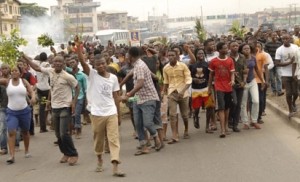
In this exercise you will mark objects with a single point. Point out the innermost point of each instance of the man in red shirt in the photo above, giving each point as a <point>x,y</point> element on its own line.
<point>222,70</point>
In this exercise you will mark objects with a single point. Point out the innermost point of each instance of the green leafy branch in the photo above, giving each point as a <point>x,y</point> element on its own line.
<point>9,45</point>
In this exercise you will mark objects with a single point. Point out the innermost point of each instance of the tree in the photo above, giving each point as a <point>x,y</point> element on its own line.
<point>9,45</point>
<point>237,30</point>
<point>32,9</point>
<point>201,33</point>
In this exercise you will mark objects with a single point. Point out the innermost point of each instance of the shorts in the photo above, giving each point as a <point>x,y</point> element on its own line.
<point>223,100</point>
<point>18,119</point>
<point>199,98</point>
<point>290,85</point>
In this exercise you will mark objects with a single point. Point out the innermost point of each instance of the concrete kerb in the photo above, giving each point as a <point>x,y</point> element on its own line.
<point>293,121</point>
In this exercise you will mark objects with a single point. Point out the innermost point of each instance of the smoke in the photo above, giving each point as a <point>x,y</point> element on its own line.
<point>32,27</point>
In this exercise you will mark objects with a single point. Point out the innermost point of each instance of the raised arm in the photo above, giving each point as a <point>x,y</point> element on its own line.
<point>85,66</point>
<point>31,63</point>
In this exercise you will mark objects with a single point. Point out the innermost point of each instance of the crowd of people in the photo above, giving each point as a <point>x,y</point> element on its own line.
<point>227,77</point>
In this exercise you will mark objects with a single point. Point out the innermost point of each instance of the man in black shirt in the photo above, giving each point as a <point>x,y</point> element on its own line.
<point>275,78</point>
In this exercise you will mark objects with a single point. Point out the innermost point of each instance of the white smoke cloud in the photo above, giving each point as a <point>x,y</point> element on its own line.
<point>32,27</point>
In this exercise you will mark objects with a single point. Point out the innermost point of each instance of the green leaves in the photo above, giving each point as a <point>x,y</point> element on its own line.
<point>201,33</point>
<point>9,45</point>
<point>45,40</point>
<point>237,30</point>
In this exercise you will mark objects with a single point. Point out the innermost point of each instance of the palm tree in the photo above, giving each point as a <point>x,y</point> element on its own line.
<point>237,30</point>
<point>201,33</point>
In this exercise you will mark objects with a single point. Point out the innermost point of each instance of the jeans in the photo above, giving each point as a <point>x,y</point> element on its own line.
<point>261,95</point>
<point>235,110</point>
<point>143,118</point>
<point>78,110</point>
<point>42,107</point>
<point>253,90</point>
<point>275,79</point>
<point>62,119</point>
<point>3,129</point>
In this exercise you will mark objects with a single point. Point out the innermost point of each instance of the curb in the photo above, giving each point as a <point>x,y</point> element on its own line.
<point>294,122</point>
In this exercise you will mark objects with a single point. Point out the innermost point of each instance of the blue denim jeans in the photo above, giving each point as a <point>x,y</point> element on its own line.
<point>62,120</point>
<point>143,118</point>
<point>3,129</point>
<point>78,110</point>
<point>275,79</point>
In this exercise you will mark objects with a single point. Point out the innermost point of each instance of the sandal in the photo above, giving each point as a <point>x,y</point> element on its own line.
<point>10,161</point>
<point>64,159</point>
<point>222,135</point>
<point>99,167</point>
<point>140,152</point>
<point>119,174</point>
<point>186,136</point>
<point>209,131</point>
<point>173,141</point>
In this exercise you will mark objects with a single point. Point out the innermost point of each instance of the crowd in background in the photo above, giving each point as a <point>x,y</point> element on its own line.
<point>226,76</point>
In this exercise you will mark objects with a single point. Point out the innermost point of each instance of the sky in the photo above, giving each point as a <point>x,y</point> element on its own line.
<point>176,8</point>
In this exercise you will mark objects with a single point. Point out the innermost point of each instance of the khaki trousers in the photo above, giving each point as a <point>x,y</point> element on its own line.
<point>110,124</point>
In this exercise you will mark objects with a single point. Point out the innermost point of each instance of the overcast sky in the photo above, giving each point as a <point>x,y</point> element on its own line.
<point>178,8</point>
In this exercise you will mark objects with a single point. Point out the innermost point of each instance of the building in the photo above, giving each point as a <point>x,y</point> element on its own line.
<point>112,20</point>
<point>10,16</point>
<point>78,16</point>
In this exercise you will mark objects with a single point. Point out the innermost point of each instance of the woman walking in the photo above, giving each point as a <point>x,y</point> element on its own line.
<point>18,112</point>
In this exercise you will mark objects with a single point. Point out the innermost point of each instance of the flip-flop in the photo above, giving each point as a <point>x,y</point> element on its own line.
<point>10,161</point>
<point>119,174</point>
<point>222,135</point>
<point>186,136</point>
<point>209,131</point>
<point>172,141</point>
<point>140,153</point>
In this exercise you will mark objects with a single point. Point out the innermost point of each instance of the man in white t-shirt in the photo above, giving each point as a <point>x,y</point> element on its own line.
<point>103,97</point>
<point>286,58</point>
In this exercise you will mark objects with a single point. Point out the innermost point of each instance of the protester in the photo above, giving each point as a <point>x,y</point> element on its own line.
<point>63,105</point>
<point>18,111</point>
<point>105,110</point>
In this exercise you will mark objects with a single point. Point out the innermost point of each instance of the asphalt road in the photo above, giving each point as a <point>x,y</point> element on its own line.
<point>270,154</point>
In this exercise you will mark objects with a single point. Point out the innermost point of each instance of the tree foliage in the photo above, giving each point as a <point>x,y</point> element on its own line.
<point>237,30</point>
<point>32,9</point>
<point>9,45</point>
<point>201,33</point>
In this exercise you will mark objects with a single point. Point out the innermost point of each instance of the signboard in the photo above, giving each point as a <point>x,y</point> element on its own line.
<point>135,37</point>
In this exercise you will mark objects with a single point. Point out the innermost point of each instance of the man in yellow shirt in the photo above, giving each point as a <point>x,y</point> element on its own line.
<point>177,80</point>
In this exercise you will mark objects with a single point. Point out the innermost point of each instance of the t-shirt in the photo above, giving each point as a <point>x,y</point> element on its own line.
<point>122,73</point>
<point>100,94</point>
<point>222,69</point>
<point>61,85</point>
<point>261,60</point>
<point>282,54</point>
<point>42,79</point>
<point>211,56</point>
<point>251,65</point>
<point>200,71</point>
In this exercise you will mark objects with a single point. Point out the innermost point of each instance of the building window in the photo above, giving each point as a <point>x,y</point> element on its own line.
<point>4,27</point>
<point>5,8</point>
<point>11,26</point>
<point>10,9</point>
